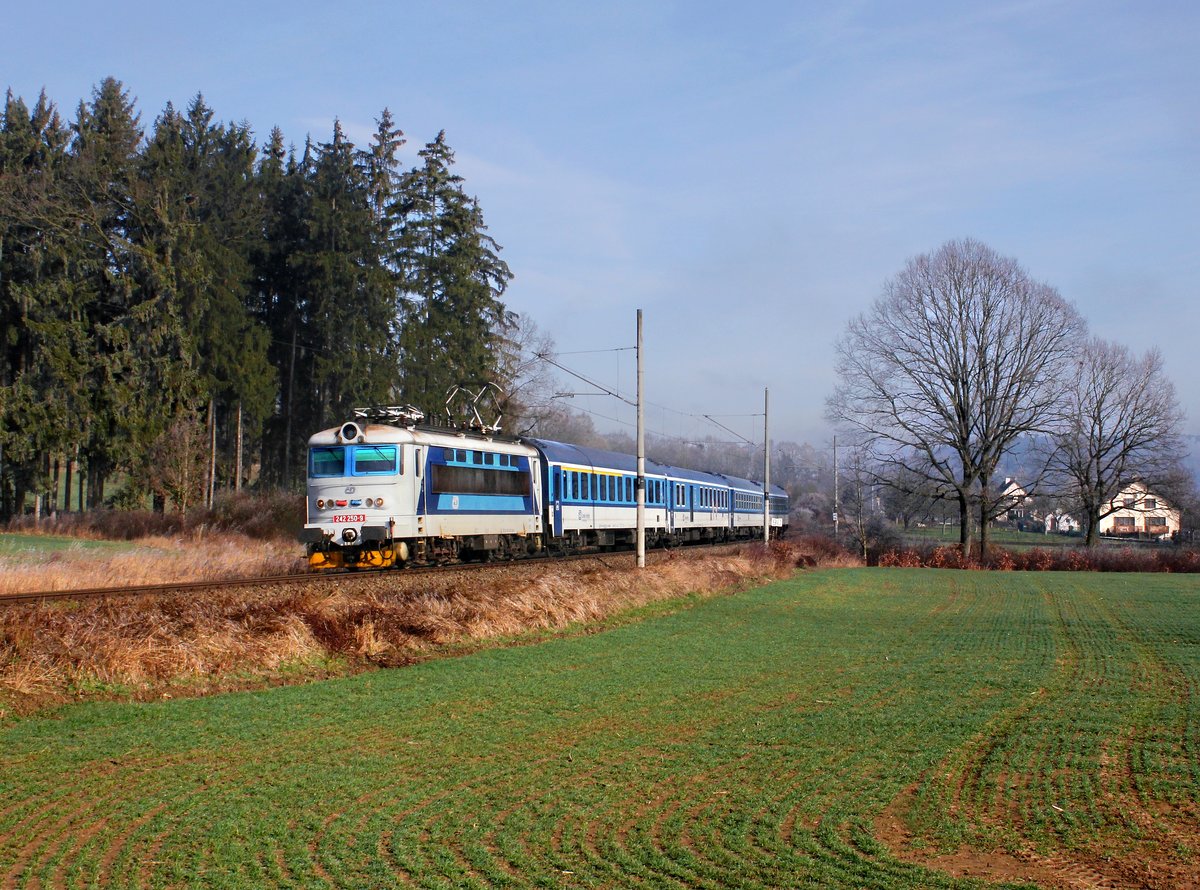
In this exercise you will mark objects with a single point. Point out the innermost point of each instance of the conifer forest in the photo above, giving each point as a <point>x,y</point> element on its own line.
<point>174,290</point>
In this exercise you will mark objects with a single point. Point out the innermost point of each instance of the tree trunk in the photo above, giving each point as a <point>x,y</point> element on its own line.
<point>964,526</point>
<point>287,434</point>
<point>212,453</point>
<point>237,471</point>
<point>1092,518</point>
<point>984,511</point>
<point>983,533</point>
<point>57,479</point>
<point>67,483</point>
<point>95,488</point>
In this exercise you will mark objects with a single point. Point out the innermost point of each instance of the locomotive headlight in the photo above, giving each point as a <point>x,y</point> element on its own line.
<point>378,502</point>
<point>320,504</point>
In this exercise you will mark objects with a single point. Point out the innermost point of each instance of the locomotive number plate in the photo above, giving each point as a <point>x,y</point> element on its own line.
<point>350,517</point>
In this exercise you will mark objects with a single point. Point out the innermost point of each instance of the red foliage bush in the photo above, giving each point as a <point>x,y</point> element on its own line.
<point>1037,559</point>
<point>904,559</point>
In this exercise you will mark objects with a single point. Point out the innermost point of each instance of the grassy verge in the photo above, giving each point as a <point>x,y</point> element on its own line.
<point>58,562</point>
<point>37,547</point>
<point>146,646</point>
<point>1001,537</point>
<point>839,729</point>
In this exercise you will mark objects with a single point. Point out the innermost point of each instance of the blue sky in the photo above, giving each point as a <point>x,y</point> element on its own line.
<point>747,174</point>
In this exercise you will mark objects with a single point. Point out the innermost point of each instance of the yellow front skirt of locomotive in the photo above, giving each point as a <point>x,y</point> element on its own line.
<point>382,558</point>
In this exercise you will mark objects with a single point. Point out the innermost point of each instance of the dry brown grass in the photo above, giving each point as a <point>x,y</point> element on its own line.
<point>147,646</point>
<point>152,560</point>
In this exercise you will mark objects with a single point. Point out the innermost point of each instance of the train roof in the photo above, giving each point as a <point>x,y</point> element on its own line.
<point>563,452</point>
<point>559,452</point>
<point>738,482</point>
<point>421,434</point>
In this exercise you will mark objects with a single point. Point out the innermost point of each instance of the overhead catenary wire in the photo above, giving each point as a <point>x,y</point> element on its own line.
<point>656,433</point>
<point>615,393</point>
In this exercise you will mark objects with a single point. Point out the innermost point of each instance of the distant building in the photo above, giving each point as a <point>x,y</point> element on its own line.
<point>1017,500</point>
<point>1139,511</point>
<point>1062,523</point>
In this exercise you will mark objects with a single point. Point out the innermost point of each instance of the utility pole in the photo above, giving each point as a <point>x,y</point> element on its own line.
<point>640,483</point>
<point>766,466</point>
<point>835,489</point>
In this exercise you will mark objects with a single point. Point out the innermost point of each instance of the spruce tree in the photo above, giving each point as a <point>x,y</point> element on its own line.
<point>38,387</point>
<point>103,182</point>
<point>348,300</point>
<point>279,303</point>
<point>198,234</point>
<point>451,281</point>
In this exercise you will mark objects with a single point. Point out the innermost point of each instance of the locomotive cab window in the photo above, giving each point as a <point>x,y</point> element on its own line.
<point>325,462</point>
<point>375,460</point>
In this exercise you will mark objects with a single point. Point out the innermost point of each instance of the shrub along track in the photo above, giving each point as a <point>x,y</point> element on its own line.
<point>747,741</point>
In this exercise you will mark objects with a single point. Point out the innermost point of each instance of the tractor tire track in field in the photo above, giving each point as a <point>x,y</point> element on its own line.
<point>1058,769</point>
<point>49,824</point>
<point>88,828</point>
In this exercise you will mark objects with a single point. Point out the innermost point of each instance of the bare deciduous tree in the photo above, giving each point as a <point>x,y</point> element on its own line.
<point>906,494</point>
<point>955,362</point>
<point>526,379</point>
<point>1122,422</point>
<point>176,462</point>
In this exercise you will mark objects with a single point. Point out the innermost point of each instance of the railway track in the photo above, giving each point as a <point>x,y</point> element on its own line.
<point>140,589</point>
<point>172,587</point>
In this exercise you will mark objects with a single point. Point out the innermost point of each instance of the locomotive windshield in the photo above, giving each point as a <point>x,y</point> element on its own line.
<point>353,460</point>
<point>326,462</point>
<point>370,460</point>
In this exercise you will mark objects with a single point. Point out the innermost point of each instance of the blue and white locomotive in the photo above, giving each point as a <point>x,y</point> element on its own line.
<point>391,493</point>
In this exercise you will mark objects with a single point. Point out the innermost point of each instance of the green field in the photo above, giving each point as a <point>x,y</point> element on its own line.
<point>745,741</point>
<point>1000,537</point>
<point>14,544</point>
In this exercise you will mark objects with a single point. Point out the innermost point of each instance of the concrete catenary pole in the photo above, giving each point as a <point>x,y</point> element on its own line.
<point>640,482</point>
<point>766,466</point>
<point>835,490</point>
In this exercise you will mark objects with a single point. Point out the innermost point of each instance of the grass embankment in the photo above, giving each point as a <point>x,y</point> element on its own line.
<point>147,646</point>
<point>242,536</point>
<point>841,729</point>
<point>54,562</point>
